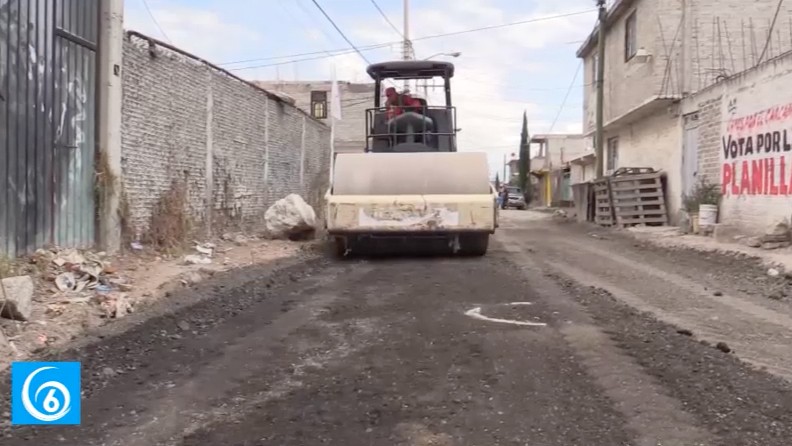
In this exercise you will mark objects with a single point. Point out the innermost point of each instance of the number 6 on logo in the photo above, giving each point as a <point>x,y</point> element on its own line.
<point>45,393</point>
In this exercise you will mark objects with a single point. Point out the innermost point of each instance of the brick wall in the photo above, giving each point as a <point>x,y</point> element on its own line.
<point>237,148</point>
<point>709,118</point>
<point>350,131</point>
<point>755,91</point>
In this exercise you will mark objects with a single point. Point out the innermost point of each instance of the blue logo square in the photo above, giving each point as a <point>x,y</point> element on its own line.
<point>45,393</point>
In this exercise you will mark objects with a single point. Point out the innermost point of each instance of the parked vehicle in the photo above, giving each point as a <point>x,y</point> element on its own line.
<point>516,198</point>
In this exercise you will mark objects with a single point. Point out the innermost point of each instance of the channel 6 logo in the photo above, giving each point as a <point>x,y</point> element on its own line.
<point>45,393</point>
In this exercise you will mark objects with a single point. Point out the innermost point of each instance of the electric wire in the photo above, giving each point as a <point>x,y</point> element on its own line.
<point>770,32</point>
<point>566,96</point>
<point>385,16</point>
<point>156,23</point>
<point>329,19</point>
<point>386,44</point>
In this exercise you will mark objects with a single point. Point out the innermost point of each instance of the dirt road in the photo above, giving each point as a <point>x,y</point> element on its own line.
<point>539,343</point>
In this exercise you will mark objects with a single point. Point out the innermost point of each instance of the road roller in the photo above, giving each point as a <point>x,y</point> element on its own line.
<point>411,188</point>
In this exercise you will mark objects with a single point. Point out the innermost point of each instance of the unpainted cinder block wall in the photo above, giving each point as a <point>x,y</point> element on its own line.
<point>236,148</point>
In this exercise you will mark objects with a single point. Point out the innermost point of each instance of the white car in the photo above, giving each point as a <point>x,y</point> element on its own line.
<point>515,198</point>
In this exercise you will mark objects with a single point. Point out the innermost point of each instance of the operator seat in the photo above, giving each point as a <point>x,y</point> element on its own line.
<point>410,127</point>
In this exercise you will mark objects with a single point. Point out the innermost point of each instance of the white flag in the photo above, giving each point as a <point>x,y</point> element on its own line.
<point>335,98</point>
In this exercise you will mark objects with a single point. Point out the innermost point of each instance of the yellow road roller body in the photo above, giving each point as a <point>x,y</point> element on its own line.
<point>411,192</point>
<point>411,185</point>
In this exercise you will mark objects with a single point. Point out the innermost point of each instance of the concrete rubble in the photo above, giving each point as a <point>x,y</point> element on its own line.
<point>84,278</point>
<point>58,294</point>
<point>776,236</point>
<point>16,298</point>
<point>291,218</point>
<point>204,257</point>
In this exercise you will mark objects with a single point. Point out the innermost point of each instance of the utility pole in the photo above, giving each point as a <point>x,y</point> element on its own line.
<point>407,44</point>
<point>600,144</point>
<point>505,177</point>
<point>109,89</point>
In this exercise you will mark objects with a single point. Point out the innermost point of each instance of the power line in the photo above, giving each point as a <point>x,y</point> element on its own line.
<point>385,16</point>
<point>505,25</point>
<point>385,44</point>
<point>770,32</point>
<point>566,96</point>
<point>274,64</point>
<point>301,23</point>
<point>316,21</point>
<point>337,52</point>
<point>154,19</point>
<point>315,2</point>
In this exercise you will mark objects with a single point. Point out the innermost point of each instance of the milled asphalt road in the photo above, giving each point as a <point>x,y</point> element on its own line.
<point>400,352</point>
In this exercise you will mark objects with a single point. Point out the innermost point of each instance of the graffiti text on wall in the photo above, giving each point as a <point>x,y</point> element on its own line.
<point>757,151</point>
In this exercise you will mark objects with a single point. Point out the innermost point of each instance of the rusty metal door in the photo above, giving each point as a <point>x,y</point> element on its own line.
<point>47,123</point>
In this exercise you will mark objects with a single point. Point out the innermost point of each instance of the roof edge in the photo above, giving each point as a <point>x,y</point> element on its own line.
<point>611,16</point>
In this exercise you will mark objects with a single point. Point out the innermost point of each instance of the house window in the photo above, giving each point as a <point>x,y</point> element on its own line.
<point>613,153</point>
<point>319,104</point>
<point>630,38</point>
<point>594,69</point>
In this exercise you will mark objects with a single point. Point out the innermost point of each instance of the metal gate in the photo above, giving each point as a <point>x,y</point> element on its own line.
<point>690,154</point>
<point>47,123</point>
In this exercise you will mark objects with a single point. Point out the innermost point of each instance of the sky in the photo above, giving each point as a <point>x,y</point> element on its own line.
<point>500,73</point>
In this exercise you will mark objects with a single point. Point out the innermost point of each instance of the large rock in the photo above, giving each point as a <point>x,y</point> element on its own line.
<point>777,231</point>
<point>753,242</point>
<point>290,217</point>
<point>18,303</point>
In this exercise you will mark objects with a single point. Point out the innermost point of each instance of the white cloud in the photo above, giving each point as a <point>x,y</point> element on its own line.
<point>201,32</point>
<point>495,74</point>
<point>488,112</point>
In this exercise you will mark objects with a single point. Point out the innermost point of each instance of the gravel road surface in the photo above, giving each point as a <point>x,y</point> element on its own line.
<point>562,335</point>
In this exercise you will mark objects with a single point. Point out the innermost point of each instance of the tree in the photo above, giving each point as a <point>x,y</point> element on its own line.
<point>525,161</point>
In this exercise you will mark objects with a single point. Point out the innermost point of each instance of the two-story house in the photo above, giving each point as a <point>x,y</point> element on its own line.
<point>551,165</point>
<point>656,53</point>
<point>314,97</point>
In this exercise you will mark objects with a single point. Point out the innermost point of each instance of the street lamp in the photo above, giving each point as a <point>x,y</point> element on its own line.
<point>454,54</point>
<point>426,82</point>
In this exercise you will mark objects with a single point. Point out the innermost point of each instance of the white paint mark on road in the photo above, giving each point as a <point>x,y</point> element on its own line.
<point>514,304</point>
<point>475,313</point>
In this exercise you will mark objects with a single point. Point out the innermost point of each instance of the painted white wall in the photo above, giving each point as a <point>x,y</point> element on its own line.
<point>655,142</point>
<point>763,95</point>
<point>582,174</point>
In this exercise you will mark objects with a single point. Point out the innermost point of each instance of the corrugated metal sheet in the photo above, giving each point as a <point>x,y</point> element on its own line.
<point>47,123</point>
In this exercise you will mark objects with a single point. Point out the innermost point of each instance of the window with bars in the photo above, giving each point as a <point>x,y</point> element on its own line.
<point>319,104</point>
<point>613,153</point>
<point>594,70</point>
<point>630,37</point>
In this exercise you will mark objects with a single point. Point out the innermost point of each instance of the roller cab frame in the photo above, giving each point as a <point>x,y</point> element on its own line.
<point>411,184</point>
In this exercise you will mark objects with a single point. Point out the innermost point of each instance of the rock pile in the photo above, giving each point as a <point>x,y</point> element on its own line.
<point>777,236</point>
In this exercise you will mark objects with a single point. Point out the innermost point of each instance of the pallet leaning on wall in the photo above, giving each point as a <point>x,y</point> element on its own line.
<point>603,211</point>
<point>637,197</point>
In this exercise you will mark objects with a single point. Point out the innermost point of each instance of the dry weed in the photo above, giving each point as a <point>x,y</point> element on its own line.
<point>170,222</point>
